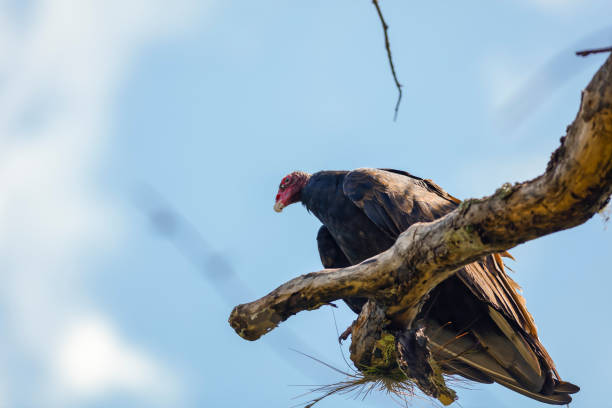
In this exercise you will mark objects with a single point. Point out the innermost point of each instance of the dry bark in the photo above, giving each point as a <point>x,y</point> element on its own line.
<point>577,184</point>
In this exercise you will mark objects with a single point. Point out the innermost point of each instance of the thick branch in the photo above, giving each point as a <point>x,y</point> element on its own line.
<point>577,183</point>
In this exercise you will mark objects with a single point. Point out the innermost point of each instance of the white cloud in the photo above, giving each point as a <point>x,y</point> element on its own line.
<point>91,360</point>
<point>61,62</point>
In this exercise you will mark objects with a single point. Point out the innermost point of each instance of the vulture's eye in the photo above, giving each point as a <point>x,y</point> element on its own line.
<point>287,180</point>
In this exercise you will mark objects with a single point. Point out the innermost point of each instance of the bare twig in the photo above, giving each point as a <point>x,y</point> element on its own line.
<point>388,48</point>
<point>585,53</point>
<point>540,85</point>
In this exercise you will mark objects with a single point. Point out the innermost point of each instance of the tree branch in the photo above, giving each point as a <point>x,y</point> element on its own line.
<point>577,184</point>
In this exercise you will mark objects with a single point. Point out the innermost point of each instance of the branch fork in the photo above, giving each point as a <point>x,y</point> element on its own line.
<point>577,184</point>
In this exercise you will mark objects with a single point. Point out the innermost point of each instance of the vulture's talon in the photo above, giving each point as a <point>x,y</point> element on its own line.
<point>345,334</point>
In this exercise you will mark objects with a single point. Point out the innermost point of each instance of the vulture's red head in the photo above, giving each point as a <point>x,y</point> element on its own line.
<point>290,189</point>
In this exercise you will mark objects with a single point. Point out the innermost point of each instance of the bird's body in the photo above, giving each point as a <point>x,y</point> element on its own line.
<point>476,321</point>
<point>357,236</point>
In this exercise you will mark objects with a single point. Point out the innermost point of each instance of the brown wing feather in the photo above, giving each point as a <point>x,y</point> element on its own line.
<point>430,183</point>
<point>394,200</point>
<point>488,281</point>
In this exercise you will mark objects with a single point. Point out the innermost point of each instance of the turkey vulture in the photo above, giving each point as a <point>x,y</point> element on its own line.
<point>476,321</point>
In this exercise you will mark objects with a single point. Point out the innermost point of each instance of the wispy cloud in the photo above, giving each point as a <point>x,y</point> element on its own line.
<point>501,77</point>
<point>60,63</point>
<point>556,3</point>
<point>557,6</point>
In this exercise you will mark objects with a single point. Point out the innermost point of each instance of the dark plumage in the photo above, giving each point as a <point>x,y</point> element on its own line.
<point>476,321</point>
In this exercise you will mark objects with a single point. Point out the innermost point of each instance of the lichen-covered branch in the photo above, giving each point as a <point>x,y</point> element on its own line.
<point>577,183</point>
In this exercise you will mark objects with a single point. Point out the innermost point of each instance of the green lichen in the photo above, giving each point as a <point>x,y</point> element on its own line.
<point>463,237</point>
<point>504,191</point>
<point>384,374</point>
<point>466,204</point>
<point>463,207</point>
<point>384,360</point>
<point>385,369</point>
<point>383,365</point>
<point>383,353</point>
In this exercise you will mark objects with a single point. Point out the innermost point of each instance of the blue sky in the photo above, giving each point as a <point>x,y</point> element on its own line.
<point>211,103</point>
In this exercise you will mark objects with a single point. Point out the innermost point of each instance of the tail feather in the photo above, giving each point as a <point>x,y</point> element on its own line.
<point>510,350</point>
<point>456,367</point>
<point>517,340</point>
<point>487,355</point>
<point>481,342</point>
<point>555,399</point>
<point>447,347</point>
<point>565,387</point>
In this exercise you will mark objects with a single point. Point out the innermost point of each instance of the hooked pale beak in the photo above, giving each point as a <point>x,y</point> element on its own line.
<point>278,206</point>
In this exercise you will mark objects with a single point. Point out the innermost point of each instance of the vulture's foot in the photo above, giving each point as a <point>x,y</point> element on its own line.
<point>345,334</point>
